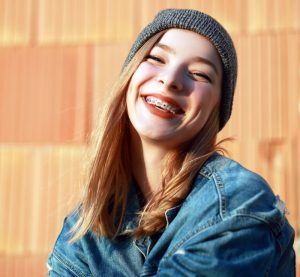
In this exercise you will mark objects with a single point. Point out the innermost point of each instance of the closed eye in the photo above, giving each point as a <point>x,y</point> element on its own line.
<point>200,75</point>
<point>154,58</point>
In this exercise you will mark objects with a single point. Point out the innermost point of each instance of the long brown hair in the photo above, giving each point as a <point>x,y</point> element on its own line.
<point>104,198</point>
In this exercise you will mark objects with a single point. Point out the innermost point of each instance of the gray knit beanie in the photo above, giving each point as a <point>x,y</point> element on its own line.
<point>208,27</point>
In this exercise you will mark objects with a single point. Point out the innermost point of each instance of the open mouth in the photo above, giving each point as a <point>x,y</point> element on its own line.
<point>163,106</point>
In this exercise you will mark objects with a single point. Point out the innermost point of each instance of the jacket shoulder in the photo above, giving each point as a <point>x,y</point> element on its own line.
<point>230,210</point>
<point>238,188</point>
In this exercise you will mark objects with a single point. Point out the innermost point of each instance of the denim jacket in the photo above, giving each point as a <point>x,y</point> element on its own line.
<point>230,224</point>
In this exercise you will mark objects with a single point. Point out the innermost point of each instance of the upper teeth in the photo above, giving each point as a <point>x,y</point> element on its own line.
<point>161,104</point>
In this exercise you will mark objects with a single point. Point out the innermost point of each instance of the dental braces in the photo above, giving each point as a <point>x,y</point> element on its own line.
<point>161,104</point>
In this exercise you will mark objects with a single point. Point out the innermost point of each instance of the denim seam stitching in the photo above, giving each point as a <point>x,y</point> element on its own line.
<point>221,193</point>
<point>207,225</point>
<point>67,264</point>
<point>273,225</point>
<point>205,173</point>
<point>252,215</point>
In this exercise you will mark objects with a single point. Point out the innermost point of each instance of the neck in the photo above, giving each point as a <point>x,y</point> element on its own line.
<point>147,166</point>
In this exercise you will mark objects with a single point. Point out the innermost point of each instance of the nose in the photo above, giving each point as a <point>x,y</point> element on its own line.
<point>171,78</point>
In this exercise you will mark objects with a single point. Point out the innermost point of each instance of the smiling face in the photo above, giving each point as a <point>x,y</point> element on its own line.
<point>174,90</point>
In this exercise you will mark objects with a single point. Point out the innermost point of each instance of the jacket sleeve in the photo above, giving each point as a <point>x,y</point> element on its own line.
<point>236,246</point>
<point>67,259</point>
<point>58,266</point>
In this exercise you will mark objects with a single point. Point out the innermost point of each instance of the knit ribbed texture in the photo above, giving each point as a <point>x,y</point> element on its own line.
<point>208,27</point>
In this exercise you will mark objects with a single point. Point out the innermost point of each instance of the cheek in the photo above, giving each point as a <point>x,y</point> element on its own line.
<point>205,97</point>
<point>142,73</point>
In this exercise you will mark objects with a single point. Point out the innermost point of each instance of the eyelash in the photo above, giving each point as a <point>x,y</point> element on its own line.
<point>197,74</point>
<point>154,58</point>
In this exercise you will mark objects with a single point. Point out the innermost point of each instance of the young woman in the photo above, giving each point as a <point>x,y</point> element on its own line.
<point>159,199</point>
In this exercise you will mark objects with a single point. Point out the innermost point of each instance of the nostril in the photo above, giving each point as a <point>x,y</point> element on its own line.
<point>175,86</point>
<point>171,84</point>
<point>171,80</point>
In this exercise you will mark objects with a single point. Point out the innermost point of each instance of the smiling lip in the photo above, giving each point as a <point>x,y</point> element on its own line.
<point>163,114</point>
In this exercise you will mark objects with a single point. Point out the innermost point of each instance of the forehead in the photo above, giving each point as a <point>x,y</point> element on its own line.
<point>190,44</point>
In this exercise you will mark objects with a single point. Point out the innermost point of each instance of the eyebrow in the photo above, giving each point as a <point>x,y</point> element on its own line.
<point>196,59</point>
<point>165,47</point>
